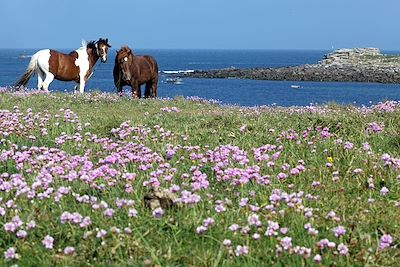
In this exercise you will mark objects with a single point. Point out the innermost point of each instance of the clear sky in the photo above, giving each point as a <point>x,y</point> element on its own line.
<point>204,24</point>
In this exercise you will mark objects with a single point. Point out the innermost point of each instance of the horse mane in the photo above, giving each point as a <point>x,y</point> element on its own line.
<point>91,44</point>
<point>123,52</point>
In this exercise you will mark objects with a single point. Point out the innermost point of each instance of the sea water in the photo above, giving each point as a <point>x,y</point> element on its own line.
<point>13,63</point>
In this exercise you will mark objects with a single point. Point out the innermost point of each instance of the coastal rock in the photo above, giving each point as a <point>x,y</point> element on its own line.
<point>345,56</point>
<point>342,65</point>
<point>160,198</point>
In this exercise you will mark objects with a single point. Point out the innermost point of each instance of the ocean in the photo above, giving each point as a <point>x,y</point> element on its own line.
<point>227,91</point>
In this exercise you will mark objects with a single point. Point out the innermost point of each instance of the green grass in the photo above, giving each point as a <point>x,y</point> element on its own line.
<point>198,130</point>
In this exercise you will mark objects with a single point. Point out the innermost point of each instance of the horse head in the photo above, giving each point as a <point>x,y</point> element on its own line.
<point>123,59</point>
<point>102,48</point>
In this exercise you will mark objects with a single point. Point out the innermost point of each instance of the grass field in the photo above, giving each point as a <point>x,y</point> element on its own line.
<point>101,180</point>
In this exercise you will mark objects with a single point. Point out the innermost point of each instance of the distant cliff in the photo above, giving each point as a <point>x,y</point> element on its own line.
<point>342,65</point>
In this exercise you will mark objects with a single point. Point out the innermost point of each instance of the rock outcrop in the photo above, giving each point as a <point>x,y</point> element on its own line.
<point>342,65</point>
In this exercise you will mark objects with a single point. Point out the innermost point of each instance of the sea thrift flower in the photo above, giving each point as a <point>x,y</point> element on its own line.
<point>384,191</point>
<point>241,250</point>
<point>366,146</point>
<point>234,227</point>
<point>302,251</point>
<point>85,222</point>
<point>254,220</point>
<point>272,229</point>
<point>21,234</point>
<point>316,184</point>
<point>348,145</point>
<point>101,233</point>
<point>294,171</point>
<point>30,225</point>
<point>10,227</point>
<point>11,253</point>
<point>208,222</point>
<point>281,176</point>
<point>342,249</point>
<point>286,243</point>
<point>69,250</point>
<point>188,197</point>
<point>227,242</point>
<point>158,212</point>
<point>325,243</point>
<point>317,259</point>
<point>219,208</point>
<point>48,242</point>
<point>284,230</point>
<point>2,211</point>
<point>108,212</point>
<point>201,229</point>
<point>132,213</point>
<point>245,230</point>
<point>243,202</point>
<point>256,236</point>
<point>331,245</point>
<point>335,176</point>
<point>374,127</point>
<point>312,232</point>
<point>385,241</point>
<point>339,231</point>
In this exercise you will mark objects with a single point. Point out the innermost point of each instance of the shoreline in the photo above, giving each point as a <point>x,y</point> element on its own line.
<point>343,65</point>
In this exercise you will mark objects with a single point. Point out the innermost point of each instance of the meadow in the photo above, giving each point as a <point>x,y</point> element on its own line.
<point>102,180</point>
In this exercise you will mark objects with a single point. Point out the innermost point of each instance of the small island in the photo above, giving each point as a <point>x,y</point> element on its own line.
<point>341,65</point>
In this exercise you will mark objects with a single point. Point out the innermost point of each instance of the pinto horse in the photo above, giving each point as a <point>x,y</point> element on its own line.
<point>134,71</point>
<point>76,66</point>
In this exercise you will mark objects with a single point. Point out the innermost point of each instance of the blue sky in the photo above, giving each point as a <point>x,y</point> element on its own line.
<point>204,24</point>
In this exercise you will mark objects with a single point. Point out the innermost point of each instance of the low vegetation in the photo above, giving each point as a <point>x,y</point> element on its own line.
<point>100,180</point>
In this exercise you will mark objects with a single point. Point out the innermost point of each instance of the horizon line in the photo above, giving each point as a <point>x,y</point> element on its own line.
<point>218,49</point>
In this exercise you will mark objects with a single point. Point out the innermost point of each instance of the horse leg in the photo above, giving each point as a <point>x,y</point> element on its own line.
<point>136,93</point>
<point>76,88</point>
<point>154,87</point>
<point>119,90</point>
<point>81,85</point>
<point>40,77</point>
<point>147,91</point>
<point>49,78</point>
<point>139,90</point>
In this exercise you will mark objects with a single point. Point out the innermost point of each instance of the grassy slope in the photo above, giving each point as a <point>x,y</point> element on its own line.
<point>172,240</point>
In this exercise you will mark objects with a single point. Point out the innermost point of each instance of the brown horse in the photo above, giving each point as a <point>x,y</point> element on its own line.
<point>134,71</point>
<point>76,66</point>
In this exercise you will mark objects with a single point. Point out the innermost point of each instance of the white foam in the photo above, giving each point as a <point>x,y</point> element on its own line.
<point>177,71</point>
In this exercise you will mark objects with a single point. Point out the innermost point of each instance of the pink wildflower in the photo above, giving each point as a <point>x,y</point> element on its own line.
<point>11,253</point>
<point>339,231</point>
<point>385,241</point>
<point>342,249</point>
<point>69,250</point>
<point>48,242</point>
<point>384,191</point>
<point>158,212</point>
<point>241,250</point>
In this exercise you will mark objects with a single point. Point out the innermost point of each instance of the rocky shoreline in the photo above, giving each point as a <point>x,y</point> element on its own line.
<point>343,65</point>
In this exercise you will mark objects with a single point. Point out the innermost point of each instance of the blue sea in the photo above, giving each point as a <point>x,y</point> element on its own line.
<point>228,91</point>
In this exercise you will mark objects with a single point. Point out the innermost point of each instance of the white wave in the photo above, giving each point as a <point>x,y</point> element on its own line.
<point>177,71</point>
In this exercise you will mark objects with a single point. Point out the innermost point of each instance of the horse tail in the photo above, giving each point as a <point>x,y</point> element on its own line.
<point>32,67</point>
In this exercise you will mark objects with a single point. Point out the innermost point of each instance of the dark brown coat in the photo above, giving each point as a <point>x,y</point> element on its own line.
<point>134,71</point>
